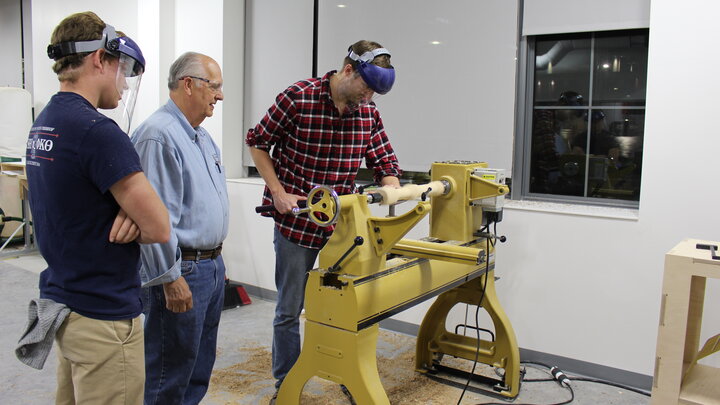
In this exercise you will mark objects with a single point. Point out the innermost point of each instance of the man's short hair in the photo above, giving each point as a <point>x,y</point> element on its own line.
<point>85,26</point>
<point>188,64</point>
<point>362,46</point>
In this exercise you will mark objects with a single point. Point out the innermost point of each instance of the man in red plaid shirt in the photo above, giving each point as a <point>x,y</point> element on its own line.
<point>319,131</point>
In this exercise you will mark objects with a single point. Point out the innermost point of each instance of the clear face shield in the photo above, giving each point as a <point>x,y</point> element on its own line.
<point>131,65</point>
<point>127,84</point>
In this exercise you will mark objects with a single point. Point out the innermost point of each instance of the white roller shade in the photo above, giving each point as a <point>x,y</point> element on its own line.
<point>15,121</point>
<point>564,16</point>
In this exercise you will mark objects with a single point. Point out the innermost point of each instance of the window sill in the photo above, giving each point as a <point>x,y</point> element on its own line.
<point>629,214</point>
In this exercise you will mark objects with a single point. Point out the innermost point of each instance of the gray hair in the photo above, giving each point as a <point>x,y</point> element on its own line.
<point>188,64</point>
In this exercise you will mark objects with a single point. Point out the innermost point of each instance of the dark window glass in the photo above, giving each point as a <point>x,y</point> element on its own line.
<point>588,115</point>
<point>620,68</point>
<point>561,63</point>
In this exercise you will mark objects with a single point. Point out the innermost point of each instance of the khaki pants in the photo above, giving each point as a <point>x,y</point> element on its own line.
<point>100,362</point>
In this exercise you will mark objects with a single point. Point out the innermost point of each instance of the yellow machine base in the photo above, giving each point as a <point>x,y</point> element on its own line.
<point>340,356</point>
<point>434,340</point>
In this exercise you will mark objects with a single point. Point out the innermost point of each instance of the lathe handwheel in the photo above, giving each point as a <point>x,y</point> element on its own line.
<point>323,206</point>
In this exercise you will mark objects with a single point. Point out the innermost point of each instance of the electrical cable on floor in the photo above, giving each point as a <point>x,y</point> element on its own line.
<point>588,379</point>
<point>564,380</point>
<point>557,375</point>
<point>477,313</point>
<point>625,387</point>
<point>555,372</point>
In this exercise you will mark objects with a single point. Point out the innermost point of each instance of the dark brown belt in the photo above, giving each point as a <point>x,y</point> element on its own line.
<point>197,254</point>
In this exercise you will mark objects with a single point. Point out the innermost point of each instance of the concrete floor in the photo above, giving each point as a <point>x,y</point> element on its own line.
<point>242,371</point>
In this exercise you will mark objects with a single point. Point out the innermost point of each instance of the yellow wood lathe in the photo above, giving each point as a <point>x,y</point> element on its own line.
<point>357,285</point>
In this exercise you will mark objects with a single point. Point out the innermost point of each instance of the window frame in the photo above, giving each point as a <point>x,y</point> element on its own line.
<point>523,130</point>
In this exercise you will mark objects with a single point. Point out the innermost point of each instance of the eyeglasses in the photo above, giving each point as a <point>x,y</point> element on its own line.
<point>215,87</point>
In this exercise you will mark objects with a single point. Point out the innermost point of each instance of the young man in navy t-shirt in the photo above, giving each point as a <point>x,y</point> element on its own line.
<point>91,205</point>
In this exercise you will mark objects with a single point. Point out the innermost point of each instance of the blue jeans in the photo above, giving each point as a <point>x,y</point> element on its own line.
<point>180,348</point>
<point>292,262</point>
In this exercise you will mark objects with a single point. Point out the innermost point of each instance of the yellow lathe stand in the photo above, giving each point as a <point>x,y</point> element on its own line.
<point>356,286</point>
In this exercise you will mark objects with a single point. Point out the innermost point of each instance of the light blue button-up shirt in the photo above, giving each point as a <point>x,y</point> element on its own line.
<point>183,165</point>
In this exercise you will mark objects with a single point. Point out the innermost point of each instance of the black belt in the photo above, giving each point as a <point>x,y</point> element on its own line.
<point>197,254</point>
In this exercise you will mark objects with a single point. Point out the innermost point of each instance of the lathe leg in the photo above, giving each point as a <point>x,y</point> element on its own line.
<point>434,340</point>
<point>340,356</point>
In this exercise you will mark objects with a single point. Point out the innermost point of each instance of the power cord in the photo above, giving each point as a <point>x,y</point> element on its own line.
<point>587,379</point>
<point>557,375</point>
<point>477,314</point>
<point>625,387</point>
<point>564,381</point>
<point>484,229</point>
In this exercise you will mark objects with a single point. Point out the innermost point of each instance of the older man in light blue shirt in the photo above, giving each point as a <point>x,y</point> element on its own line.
<point>185,276</point>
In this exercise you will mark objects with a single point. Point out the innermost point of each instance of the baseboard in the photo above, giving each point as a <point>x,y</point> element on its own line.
<point>587,369</point>
<point>259,292</point>
<point>572,366</point>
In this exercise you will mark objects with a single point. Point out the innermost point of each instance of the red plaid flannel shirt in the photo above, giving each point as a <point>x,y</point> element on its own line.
<point>313,145</point>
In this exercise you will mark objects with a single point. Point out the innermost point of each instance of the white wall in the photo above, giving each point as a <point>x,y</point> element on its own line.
<point>199,28</point>
<point>153,24</point>
<point>542,16</point>
<point>278,52</point>
<point>233,65</point>
<point>577,282</point>
<point>248,248</point>
<point>46,14</point>
<point>574,285</point>
<point>589,288</point>
<point>11,44</point>
<point>453,60</point>
<point>683,135</point>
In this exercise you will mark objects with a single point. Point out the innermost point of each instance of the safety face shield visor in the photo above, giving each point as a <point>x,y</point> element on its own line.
<point>377,78</point>
<point>131,65</point>
<point>127,85</point>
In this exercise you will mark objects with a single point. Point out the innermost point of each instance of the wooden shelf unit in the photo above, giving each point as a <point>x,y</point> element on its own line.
<point>678,379</point>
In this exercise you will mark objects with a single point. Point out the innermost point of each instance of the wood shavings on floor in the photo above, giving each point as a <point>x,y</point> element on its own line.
<point>251,382</point>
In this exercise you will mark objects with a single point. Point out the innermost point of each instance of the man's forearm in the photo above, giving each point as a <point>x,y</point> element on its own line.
<point>139,200</point>
<point>264,166</point>
<point>282,200</point>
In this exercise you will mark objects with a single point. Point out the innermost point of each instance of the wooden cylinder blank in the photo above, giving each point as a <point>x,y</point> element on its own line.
<point>391,195</point>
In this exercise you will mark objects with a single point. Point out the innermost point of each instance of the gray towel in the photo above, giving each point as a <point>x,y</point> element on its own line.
<point>44,319</point>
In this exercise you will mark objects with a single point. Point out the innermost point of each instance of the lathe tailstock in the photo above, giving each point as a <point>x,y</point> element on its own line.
<point>357,285</point>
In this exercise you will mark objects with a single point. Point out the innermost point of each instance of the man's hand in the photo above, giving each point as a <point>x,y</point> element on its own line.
<point>138,199</point>
<point>390,181</point>
<point>124,230</point>
<point>178,297</point>
<point>284,202</point>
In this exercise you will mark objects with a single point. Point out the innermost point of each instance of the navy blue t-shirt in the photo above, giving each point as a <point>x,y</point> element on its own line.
<point>74,155</point>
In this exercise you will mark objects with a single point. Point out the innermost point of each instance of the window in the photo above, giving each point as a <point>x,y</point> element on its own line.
<point>584,118</point>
